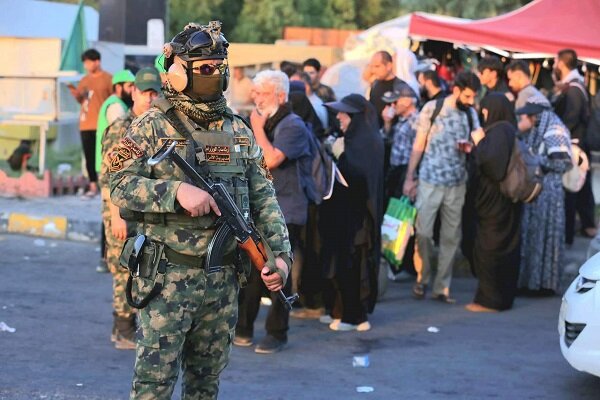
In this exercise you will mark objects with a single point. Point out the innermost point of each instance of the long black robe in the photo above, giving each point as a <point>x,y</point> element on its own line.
<point>496,252</point>
<point>350,221</point>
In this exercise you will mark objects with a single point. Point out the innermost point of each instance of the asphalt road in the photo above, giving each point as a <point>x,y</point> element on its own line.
<point>61,310</point>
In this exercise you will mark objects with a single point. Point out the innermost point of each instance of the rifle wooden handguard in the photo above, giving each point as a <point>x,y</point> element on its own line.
<point>256,253</point>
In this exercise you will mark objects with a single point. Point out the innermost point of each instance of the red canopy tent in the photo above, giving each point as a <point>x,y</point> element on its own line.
<point>542,26</point>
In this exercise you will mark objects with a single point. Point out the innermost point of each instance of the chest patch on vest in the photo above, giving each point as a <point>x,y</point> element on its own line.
<point>218,154</point>
<point>242,140</point>
<point>180,142</point>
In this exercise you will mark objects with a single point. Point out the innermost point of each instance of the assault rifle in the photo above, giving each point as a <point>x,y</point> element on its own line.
<point>231,223</point>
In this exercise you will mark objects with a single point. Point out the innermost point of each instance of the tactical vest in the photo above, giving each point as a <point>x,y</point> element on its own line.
<point>227,157</point>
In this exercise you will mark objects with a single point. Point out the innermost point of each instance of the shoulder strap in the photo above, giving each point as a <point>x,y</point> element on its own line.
<point>244,121</point>
<point>439,103</point>
<point>469,120</point>
<point>578,85</point>
<point>168,109</point>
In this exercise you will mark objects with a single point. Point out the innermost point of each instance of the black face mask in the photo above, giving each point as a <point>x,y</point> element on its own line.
<point>423,93</point>
<point>126,98</point>
<point>462,106</point>
<point>206,87</point>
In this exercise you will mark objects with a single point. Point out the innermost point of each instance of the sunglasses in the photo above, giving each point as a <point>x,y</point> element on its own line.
<point>209,69</point>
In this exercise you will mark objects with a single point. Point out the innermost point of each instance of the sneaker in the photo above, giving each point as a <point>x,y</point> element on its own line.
<point>123,343</point>
<point>242,341</point>
<point>444,299</point>
<point>327,319</point>
<point>363,326</point>
<point>401,276</point>
<point>474,307</point>
<point>270,345</point>
<point>335,324</point>
<point>346,327</point>
<point>266,301</point>
<point>342,326</point>
<point>308,313</point>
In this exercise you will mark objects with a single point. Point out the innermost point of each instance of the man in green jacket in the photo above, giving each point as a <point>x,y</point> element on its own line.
<point>114,107</point>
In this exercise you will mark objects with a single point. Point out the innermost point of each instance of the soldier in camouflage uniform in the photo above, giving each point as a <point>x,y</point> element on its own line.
<point>190,324</point>
<point>147,85</point>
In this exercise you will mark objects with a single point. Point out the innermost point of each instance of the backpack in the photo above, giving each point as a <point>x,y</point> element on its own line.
<point>593,128</point>
<point>523,180</point>
<point>574,178</point>
<point>323,173</point>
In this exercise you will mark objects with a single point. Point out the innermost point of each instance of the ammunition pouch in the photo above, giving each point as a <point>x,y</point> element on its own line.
<point>144,259</point>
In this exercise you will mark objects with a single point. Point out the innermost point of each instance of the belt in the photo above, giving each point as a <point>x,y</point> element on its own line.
<point>180,220</point>
<point>194,261</point>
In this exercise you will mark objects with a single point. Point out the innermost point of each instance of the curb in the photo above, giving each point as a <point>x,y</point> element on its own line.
<point>52,227</point>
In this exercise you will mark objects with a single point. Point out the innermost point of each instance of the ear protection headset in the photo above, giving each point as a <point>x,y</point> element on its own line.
<point>177,74</point>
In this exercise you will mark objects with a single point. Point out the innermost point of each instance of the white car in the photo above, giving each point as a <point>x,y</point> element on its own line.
<point>579,319</point>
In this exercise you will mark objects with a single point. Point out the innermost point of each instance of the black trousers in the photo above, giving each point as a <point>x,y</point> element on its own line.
<point>583,203</point>
<point>88,142</point>
<point>311,275</point>
<point>342,293</point>
<point>277,323</point>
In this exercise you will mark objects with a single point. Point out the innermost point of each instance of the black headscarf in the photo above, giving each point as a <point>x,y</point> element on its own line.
<point>364,153</point>
<point>499,109</point>
<point>493,152</point>
<point>302,106</point>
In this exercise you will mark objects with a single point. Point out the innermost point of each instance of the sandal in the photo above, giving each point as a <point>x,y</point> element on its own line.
<point>418,291</point>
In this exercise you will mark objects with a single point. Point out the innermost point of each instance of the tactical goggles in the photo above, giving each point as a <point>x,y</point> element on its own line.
<point>209,69</point>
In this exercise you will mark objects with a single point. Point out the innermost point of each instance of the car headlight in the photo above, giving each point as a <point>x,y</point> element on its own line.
<point>584,285</point>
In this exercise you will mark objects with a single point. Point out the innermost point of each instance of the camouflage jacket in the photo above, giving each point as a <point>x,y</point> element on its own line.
<point>136,186</point>
<point>110,141</point>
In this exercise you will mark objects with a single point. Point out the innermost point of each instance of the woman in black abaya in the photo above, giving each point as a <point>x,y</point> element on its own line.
<point>350,221</point>
<point>497,242</point>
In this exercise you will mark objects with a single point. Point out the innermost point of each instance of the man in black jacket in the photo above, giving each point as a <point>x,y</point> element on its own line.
<point>491,75</point>
<point>572,106</point>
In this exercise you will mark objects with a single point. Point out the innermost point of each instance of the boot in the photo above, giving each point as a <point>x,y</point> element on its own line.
<point>102,267</point>
<point>113,334</point>
<point>124,332</point>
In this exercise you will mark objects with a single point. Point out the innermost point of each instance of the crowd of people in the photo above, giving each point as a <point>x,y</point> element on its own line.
<point>445,145</point>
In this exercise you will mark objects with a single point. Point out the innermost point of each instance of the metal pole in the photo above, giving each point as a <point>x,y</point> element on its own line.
<point>42,147</point>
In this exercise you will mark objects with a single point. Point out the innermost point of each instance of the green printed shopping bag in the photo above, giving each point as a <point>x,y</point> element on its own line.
<point>397,228</point>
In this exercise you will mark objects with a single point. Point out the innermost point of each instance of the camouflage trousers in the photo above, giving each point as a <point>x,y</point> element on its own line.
<point>188,326</point>
<point>120,275</point>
